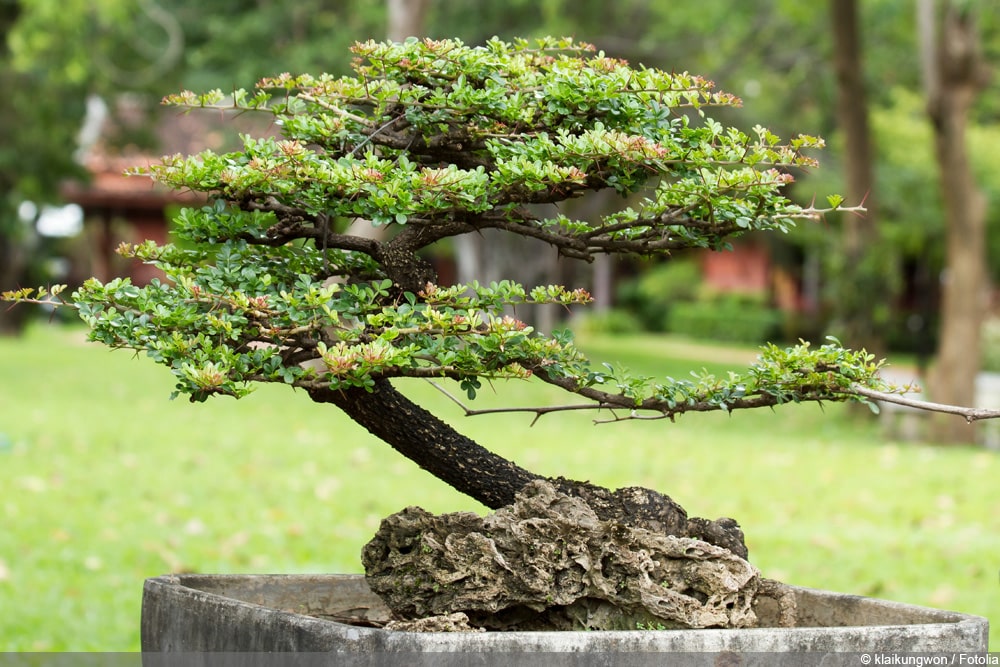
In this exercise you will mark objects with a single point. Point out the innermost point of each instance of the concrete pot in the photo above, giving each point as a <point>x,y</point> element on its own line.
<point>277,613</point>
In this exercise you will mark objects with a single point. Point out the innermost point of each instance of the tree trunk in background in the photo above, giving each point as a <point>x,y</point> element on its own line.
<point>491,256</point>
<point>406,18</point>
<point>861,274</point>
<point>954,74</point>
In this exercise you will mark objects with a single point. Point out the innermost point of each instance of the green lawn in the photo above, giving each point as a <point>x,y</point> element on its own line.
<point>106,482</point>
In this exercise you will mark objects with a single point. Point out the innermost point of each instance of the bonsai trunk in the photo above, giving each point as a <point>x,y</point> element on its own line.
<point>430,443</point>
<point>494,481</point>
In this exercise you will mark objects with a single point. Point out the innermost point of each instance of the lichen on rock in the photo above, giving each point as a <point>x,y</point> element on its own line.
<point>548,562</point>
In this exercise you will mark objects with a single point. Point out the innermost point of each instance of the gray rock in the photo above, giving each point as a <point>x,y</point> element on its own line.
<point>548,562</point>
<point>457,622</point>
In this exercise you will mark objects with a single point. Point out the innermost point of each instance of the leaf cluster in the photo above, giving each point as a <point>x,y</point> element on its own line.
<point>247,318</point>
<point>780,375</point>
<point>435,133</point>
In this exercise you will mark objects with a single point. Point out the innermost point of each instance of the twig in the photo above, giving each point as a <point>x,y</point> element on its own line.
<point>337,110</point>
<point>813,213</point>
<point>970,414</point>
<point>635,415</point>
<point>372,135</point>
<point>537,411</point>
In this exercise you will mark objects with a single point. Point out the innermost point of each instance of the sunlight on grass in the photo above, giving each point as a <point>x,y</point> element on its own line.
<point>107,482</point>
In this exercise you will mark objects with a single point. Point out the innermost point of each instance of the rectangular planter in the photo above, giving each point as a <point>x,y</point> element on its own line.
<point>255,613</point>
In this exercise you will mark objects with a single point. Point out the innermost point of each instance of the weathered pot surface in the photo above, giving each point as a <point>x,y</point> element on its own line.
<point>276,613</point>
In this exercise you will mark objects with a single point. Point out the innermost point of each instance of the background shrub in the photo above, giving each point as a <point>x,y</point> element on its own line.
<point>613,321</point>
<point>731,318</point>
<point>651,295</point>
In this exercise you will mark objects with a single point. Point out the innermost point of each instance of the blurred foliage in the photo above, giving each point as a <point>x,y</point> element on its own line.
<point>39,118</point>
<point>613,321</point>
<point>650,295</point>
<point>733,318</point>
<point>223,38</point>
<point>912,209</point>
<point>991,345</point>
<point>672,297</point>
<point>911,216</point>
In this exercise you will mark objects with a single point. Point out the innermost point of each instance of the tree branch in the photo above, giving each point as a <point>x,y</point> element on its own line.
<point>360,120</point>
<point>290,228</point>
<point>612,402</point>
<point>970,414</point>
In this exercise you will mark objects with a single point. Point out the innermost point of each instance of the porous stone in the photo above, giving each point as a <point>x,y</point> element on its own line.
<point>645,508</point>
<point>548,562</point>
<point>457,622</point>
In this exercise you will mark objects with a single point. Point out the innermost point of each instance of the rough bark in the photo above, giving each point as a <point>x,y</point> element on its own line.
<point>495,481</point>
<point>430,443</point>
<point>955,73</point>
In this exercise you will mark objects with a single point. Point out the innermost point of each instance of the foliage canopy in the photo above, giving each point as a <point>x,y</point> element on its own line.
<point>433,139</point>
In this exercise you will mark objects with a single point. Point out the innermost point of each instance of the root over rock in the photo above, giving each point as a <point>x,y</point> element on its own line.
<point>547,562</point>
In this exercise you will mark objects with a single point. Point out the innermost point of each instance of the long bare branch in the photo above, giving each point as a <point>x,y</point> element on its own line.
<point>660,409</point>
<point>970,414</point>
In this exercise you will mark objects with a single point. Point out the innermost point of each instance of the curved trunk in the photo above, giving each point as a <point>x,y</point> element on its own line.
<point>494,481</point>
<point>430,443</point>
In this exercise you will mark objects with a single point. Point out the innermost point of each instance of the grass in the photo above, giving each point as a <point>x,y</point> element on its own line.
<point>106,482</point>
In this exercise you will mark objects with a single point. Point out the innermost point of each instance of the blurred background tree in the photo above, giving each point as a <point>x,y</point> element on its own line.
<point>954,75</point>
<point>40,112</point>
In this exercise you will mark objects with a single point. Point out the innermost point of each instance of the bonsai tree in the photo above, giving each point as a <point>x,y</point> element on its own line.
<point>429,140</point>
